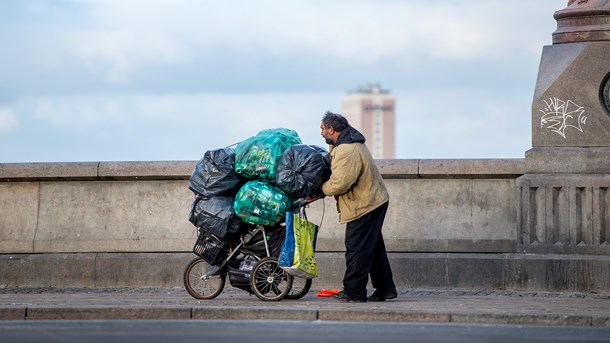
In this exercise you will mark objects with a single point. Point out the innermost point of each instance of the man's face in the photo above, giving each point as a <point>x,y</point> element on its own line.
<point>327,133</point>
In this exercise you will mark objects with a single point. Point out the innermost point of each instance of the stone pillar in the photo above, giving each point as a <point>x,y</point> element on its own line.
<point>564,202</point>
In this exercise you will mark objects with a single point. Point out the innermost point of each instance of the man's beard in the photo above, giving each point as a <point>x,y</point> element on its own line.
<point>329,141</point>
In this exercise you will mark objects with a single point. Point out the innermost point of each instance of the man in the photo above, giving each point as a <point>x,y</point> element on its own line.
<point>362,202</point>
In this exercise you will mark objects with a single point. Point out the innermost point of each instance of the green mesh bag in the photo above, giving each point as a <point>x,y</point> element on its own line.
<point>257,157</point>
<point>262,203</point>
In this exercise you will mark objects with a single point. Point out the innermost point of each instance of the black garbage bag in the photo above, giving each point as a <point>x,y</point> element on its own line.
<point>215,215</point>
<point>215,174</point>
<point>275,238</point>
<point>302,170</point>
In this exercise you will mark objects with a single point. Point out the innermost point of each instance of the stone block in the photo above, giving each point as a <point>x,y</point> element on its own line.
<point>564,213</point>
<point>331,268</point>
<point>521,319</point>
<point>600,322</point>
<point>18,216</point>
<point>48,171</point>
<point>381,315</point>
<point>566,110</point>
<point>580,273</point>
<point>70,270</point>
<point>434,215</point>
<point>398,169</point>
<point>249,313</point>
<point>474,271</point>
<point>48,270</point>
<point>419,270</point>
<point>591,160</point>
<point>471,169</point>
<point>99,312</point>
<point>19,270</point>
<point>17,313</point>
<point>114,216</point>
<point>144,170</point>
<point>140,270</point>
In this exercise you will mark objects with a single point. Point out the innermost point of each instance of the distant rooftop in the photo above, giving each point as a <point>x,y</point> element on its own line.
<point>370,88</point>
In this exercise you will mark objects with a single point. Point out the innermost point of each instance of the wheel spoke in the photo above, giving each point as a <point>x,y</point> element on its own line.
<point>200,287</point>
<point>276,289</point>
<point>269,281</point>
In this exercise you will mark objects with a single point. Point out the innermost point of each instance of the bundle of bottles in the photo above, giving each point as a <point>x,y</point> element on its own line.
<point>255,183</point>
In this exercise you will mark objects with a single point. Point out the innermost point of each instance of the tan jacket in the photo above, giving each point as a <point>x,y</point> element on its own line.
<point>355,181</point>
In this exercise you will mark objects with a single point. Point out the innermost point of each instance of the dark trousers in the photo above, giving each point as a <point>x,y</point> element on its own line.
<point>365,254</point>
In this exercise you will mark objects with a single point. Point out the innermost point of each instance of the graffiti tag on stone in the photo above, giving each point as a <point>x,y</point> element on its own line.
<point>559,115</point>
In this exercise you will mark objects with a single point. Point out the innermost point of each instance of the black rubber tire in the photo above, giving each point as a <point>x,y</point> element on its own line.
<point>300,287</point>
<point>268,281</point>
<point>199,288</point>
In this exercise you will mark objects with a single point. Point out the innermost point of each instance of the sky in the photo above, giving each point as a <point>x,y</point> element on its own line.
<point>167,80</point>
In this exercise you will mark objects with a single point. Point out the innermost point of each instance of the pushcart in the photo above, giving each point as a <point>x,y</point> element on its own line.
<point>250,262</point>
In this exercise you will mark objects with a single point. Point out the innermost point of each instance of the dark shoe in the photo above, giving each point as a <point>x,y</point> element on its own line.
<point>382,296</point>
<point>342,297</point>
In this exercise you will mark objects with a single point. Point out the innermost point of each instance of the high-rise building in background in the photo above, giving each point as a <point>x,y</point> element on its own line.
<point>370,109</point>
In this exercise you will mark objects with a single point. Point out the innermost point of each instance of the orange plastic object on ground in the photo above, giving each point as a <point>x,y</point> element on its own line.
<point>328,292</point>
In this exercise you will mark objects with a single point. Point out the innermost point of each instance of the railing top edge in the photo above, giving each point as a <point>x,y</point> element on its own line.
<point>147,170</point>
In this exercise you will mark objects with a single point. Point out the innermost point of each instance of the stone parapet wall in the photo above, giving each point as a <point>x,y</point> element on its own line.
<point>564,214</point>
<point>102,207</point>
<point>410,270</point>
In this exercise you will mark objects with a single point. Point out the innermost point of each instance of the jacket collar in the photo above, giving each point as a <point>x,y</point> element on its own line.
<point>350,135</point>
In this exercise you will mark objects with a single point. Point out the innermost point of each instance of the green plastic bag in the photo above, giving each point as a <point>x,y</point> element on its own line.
<point>259,202</point>
<point>304,248</point>
<point>257,157</point>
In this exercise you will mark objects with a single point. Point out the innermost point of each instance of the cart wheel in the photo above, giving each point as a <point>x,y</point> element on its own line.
<point>300,287</point>
<point>269,282</point>
<point>198,286</point>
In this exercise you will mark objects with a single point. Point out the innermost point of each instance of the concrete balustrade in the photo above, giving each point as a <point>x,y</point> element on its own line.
<point>100,224</point>
<point>436,206</point>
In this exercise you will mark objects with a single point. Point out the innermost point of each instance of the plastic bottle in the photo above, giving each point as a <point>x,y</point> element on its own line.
<point>247,263</point>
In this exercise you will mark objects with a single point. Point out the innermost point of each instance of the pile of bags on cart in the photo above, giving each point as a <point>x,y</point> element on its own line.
<point>257,183</point>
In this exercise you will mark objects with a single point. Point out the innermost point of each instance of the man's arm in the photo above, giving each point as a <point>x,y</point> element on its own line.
<point>345,169</point>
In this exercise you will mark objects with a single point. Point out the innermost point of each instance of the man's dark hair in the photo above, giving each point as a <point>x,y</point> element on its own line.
<point>335,120</point>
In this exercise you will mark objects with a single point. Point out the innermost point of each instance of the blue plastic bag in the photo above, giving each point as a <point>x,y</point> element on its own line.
<point>287,252</point>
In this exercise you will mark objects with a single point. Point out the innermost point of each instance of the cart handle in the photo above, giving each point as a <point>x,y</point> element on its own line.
<point>304,201</point>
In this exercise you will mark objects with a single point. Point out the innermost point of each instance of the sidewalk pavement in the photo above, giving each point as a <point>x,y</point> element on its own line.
<point>412,305</point>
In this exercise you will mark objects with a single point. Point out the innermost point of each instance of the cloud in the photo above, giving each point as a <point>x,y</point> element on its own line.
<point>116,54</point>
<point>8,120</point>
<point>120,42</point>
<point>363,31</point>
<point>200,120</point>
<point>431,123</point>
<point>462,123</point>
<point>126,79</point>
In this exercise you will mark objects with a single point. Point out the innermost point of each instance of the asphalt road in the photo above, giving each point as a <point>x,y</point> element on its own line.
<point>265,331</point>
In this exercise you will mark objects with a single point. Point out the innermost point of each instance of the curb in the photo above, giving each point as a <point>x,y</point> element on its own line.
<point>271,313</point>
<point>425,305</point>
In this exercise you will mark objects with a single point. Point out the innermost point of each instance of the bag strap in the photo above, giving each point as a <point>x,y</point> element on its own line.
<point>304,213</point>
<point>300,211</point>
